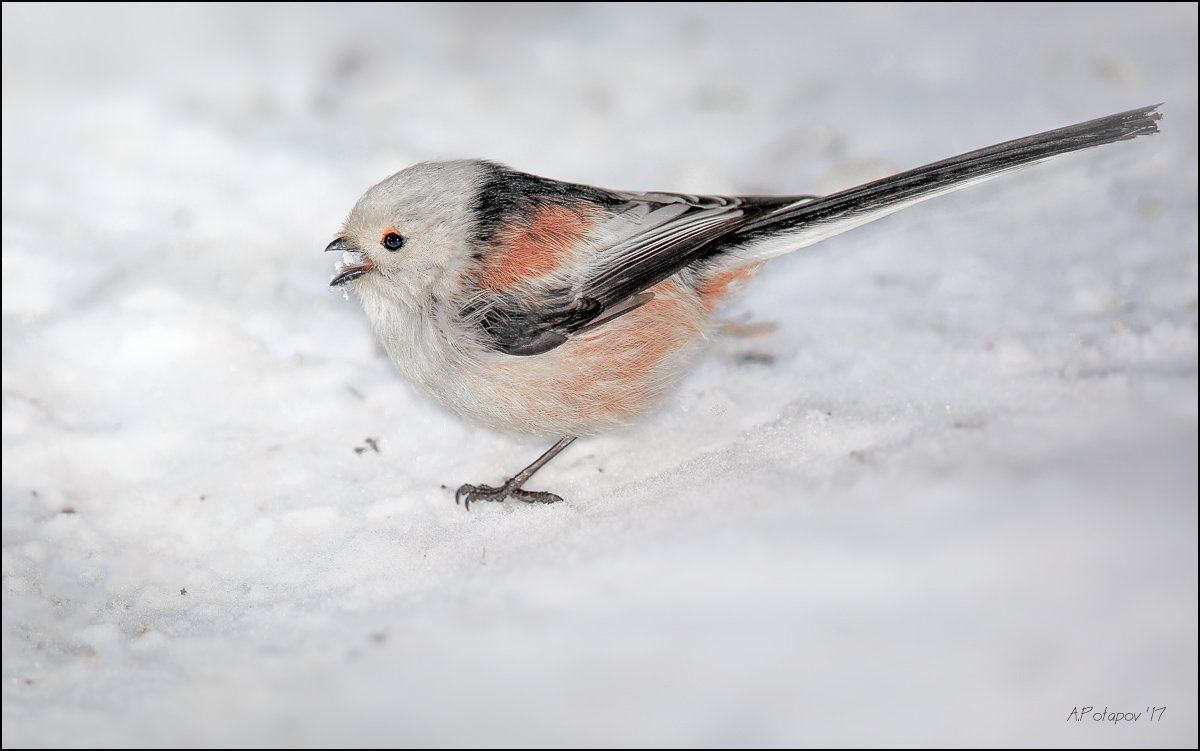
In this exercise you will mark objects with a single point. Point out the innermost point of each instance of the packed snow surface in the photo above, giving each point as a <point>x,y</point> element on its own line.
<point>951,499</point>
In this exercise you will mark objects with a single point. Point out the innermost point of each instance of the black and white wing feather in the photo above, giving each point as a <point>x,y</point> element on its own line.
<point>648,237</point>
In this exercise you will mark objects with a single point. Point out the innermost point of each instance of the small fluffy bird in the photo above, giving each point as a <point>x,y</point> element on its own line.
<point>542,307</point>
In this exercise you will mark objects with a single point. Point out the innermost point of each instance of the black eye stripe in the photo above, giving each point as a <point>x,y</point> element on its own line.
<point>393,241</point>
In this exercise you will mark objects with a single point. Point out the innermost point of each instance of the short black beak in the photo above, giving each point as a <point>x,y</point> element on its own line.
<point>347,272</point>
<point>341,245</point>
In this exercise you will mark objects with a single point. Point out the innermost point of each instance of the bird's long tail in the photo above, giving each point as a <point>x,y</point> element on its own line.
<point>806,222</point>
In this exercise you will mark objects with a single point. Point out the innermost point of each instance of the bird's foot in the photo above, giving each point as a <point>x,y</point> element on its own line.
<point>469,494</point>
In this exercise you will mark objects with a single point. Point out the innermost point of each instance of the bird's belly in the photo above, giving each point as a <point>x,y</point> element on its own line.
<point>599,380</point>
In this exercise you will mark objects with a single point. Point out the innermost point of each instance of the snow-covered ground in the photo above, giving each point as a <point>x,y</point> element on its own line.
<point>950,501</point>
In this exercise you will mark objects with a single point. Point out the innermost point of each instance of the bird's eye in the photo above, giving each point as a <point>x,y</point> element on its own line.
<point>393,242</point>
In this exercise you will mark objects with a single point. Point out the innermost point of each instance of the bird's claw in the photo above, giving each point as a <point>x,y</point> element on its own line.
<point>469,494</point>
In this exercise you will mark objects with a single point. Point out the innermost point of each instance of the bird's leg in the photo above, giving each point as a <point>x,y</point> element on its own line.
<point>469,494</point>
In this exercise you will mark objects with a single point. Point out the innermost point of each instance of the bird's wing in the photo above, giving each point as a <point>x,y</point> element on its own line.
<point>643,239</point>
<point>650,236</point>
<point>657,234</point>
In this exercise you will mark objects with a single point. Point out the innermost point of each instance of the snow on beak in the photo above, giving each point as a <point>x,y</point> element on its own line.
<point>351,265</point>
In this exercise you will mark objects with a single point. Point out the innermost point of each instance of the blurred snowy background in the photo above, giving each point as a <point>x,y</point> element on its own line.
<point>950,500</point>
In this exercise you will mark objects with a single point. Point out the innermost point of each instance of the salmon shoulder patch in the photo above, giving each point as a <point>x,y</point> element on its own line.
<point>534,248</point>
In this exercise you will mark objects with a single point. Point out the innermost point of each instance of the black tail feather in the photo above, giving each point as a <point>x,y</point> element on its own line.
<point>859,205</point>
